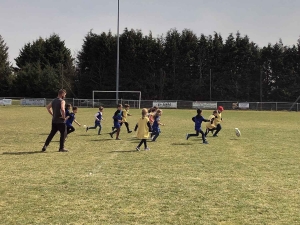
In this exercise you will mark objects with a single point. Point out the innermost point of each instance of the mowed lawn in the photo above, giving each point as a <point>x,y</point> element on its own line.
<point>253,179</point>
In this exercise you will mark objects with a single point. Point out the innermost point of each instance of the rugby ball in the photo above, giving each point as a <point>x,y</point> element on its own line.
<point>237,132</point>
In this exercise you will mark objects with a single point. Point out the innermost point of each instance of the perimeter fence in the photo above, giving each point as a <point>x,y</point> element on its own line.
<point>111,103</point>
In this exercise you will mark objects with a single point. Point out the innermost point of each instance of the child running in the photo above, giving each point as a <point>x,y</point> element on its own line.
<point>98,117</point>
<point>68,108</point>
<point>155,127</point>
<point>117,122</point>
<point>198,119</point>
<point>70,119</point>
<point>218,120</point>
<point>211,126</point>
<point>150,114</point>
<point>126,113</point>
<point>143,129</point>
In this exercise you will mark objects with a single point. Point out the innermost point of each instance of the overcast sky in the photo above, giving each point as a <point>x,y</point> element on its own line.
<point>264,21</point>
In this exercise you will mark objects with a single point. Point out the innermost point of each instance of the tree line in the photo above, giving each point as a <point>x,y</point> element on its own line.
<point>174,66</point>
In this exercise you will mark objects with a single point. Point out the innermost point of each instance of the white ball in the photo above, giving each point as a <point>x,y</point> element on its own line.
<point>237,132</point>
<point>84,125</point>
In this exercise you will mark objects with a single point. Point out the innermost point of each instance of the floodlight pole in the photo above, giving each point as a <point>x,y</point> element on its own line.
<point>118,56</point>
<point>209,84</point>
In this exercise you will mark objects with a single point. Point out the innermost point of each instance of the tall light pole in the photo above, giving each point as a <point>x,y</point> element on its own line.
<point>118,56</point>
<point>209,84</point>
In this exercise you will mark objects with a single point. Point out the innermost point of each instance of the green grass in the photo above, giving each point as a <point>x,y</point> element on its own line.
<point>253,179</point>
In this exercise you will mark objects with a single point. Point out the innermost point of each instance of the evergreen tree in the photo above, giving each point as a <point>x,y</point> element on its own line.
<point>6,77</point>
<point>44,67</point>
<point>96,63</point>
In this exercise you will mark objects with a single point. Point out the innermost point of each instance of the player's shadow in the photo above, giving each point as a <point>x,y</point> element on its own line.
<point>44,134</point>
<point>22,153</point>
<point>107,139</point>
<point>181,143</point>
<point>123,151</point>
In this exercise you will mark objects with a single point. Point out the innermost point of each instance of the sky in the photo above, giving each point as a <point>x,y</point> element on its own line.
<point>263,21</point>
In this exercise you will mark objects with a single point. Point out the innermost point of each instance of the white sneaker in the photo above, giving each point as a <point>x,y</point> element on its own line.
<point>137,148</point>
<point>147,149</point>
<point>187,136</point>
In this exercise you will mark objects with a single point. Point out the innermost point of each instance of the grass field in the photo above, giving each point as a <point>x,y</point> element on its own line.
<point>253,179</point>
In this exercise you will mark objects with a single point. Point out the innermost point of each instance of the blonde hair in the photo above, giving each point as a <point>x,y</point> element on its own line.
<point>144,112</point>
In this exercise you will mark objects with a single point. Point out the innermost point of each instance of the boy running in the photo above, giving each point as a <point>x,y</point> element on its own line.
<point>218,120</point>
<point>125,113</point>
<point>211,126</point>
<point>117,122</point>
<point>70,119</point>
<point>198,119</point>
<point>98,117</point>
<point>155,126</point>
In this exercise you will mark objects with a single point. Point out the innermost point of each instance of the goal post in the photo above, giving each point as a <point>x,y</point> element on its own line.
<point>137,92</point>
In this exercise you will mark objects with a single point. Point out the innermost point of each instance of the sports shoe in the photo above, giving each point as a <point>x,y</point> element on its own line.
<point>215,135</point>
<point>147,149</point>
<point>137,148</point>
<point>111,135</point>
<point>187,136</point>
<point>87,128</point>
<point>205,142</point>
<point>129,131</point>
<point>118,138</point>
<point>63,150</point>
<point>44,148</point>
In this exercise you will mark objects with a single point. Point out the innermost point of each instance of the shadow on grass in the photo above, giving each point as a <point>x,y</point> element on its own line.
<point>21,153</point>
<point>107,139</point>
<point>124,151</point>
<point>44,134</point>
<point>180,143</point>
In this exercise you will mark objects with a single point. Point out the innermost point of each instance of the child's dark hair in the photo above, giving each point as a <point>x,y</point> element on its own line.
<point>68,106</point>
<point>75,108</point>
<point>101,108</point>
<point>126,105</point>
<point>215,111</point>
<point>153,109</point>
<point>119,105</point>
<point>199,111</point>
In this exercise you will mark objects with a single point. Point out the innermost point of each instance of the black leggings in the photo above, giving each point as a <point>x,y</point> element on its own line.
<point>70,129</point>
<point>218,128</point>
<point>127,126</point>
<point>61,127</point>
<point>197,134</point>
<point>143,141</point>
